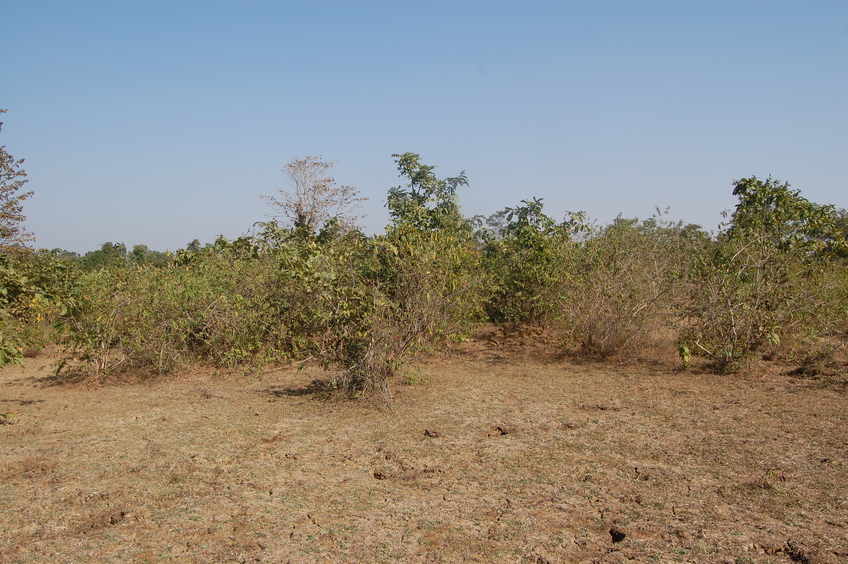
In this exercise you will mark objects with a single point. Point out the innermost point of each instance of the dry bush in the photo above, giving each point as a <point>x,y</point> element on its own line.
<point>152,319</point>
<point>748,296</point>
<point>625,281</point>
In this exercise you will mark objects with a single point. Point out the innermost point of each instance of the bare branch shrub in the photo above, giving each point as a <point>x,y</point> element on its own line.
<point>625,280</point>
<point>313,196</point>
<point>12,178</point>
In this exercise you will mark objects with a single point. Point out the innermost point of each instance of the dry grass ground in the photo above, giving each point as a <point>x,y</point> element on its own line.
<point>495,456</point>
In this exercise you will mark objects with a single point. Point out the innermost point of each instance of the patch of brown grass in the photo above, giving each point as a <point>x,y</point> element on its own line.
<point>501,454</point>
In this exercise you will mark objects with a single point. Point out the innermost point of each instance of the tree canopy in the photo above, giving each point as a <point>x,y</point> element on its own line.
<point>771,209</point>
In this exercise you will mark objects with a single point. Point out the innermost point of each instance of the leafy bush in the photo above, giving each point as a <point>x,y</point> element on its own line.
<point>421,281</point>
<point>421,288</point>
<point>771,278</point>
<point>35,291</point>
<point>747,295</point>
<point>364,306</point>
<point>215,308</point>
<point>526,255</point>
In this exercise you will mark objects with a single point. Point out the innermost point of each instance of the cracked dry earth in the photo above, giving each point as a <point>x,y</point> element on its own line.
<point>493,457</point>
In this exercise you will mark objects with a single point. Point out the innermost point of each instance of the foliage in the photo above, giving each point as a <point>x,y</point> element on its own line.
<point>769,278</point>
<point>314,197</point>
<point>526,256</point>
<point>359,305</point>
<point>10,347</point>
<point>141,317</point>
<point>738,304</point>
<point>322,294</point>
<point>426,203</point>
<point>422,279</point>
<point>784,219</point>
<point>12,180</point>
<point>10,350</point>
<point>365,306</point>
<point>35,291</point>
<point>142,254</point>
<point>109,254</point>
<point>625,280</point>
<point>604,288</point>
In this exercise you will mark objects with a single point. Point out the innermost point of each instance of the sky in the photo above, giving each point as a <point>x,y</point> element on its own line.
<point>159,122</point>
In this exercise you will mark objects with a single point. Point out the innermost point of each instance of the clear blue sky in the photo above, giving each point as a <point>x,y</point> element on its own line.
<point>159,122</point>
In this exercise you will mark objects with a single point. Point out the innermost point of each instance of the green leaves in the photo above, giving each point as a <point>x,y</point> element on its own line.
<point>526,254</point>
<point>10,352</point>
<point>781,217</point>
<point>426,203</point>
<point>763,284</point>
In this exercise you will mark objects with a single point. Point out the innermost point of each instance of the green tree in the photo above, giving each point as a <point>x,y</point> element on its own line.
<point>525,255</point>
<point>769,278</point>
<point>141,254</point>
<point>109,254</point>
<point>771,210</point>
<point>426,203</point>
<point>418,284</point>
<point>12,180</point>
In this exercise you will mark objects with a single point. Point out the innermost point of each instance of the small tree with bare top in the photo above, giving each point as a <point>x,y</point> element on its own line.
<point>313,197</point>
<point>12,179</point>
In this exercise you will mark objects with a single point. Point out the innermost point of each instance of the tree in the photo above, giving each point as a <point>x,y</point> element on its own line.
<point>769,279</point>
<point>427,203</point>
<point>313,197</point>
<point>782,217</point>
<point>524,255</point>
<point>108,254</point>
<point>12,179</point>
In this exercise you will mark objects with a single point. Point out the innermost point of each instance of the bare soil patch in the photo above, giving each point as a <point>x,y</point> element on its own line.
<point>498,454</point>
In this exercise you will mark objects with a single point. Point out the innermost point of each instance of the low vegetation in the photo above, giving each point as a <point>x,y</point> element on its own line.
<point>772,282</point>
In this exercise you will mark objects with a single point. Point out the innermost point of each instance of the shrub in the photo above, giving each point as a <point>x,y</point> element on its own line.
<point>625,280</point>
<point>417,285</point>
<point>748,294</point>
<point>773,276</point>
<point>146,318</point>
<point>35,291</point>
<point>411,288</point>
<point>526,256</point>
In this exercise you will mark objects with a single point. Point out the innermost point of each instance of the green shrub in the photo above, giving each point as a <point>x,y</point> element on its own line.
<point>417,285</point>
<point>526,256</point>
<point>216,308</point>
<point>774,277</point>
<point>35,292</point>
<point>749,295</point>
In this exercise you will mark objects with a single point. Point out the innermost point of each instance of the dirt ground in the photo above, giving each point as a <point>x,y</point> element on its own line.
<point>494,455</point>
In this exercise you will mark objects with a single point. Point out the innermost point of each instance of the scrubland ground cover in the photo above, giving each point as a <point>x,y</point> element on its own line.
<point>501,452</point>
